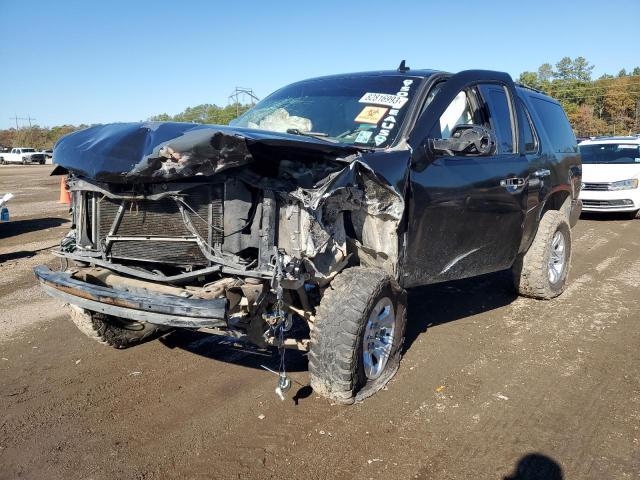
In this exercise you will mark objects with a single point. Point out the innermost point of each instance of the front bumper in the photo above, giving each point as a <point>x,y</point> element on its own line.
<point>614,201</point>
<point>142,306</point>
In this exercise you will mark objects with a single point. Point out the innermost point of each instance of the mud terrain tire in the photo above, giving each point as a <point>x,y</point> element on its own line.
<point>531,271</point>
<point>116,332</point>
<point>336,359</point>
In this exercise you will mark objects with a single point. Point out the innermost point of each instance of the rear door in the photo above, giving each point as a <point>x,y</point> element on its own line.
<point>466,212</point>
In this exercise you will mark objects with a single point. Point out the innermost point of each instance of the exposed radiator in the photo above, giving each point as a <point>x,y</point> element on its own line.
<point>173,242</point>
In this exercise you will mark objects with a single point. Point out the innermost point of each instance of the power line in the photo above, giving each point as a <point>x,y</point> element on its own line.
<point>28,118</point>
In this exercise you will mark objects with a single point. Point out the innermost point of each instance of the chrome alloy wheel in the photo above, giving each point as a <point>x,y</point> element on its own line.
<point>378,338</point>
<point>557,257</point>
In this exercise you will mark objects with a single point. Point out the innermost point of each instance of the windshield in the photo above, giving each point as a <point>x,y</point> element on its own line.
<point>611,153</point>
<point>363,111</point>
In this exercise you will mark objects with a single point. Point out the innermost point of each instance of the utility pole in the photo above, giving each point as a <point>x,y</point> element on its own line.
<point>28,118</point>
<point>242,92</point>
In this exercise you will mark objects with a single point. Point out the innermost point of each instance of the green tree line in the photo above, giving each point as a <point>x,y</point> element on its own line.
<point>609,105</point>
<point>43,138</point>
<point>205,113</point>
<point>36,137</point>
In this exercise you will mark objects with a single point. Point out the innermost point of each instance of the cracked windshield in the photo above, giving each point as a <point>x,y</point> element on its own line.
<point>365,111</point>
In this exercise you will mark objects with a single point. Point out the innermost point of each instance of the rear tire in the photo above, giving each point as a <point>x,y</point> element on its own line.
<point>113,331</point>
<point>357,336</point>
<point>542,272</point>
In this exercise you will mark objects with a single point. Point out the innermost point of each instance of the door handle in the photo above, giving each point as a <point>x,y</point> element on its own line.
<point>512,182</point>
<point>543,172</point>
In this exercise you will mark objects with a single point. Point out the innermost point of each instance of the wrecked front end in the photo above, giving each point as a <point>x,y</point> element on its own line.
<point>231,230</point>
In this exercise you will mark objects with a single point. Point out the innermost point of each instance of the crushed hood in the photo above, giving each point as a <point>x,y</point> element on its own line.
<point>164,151</point>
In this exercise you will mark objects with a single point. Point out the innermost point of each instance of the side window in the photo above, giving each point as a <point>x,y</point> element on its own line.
<point>530,139</point>
<point>459,112</point>
<point>495,96</point>
<point>556,124</point>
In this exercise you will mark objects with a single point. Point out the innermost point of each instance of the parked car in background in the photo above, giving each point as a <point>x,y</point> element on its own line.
<point>22,155</point>
<point>48,156</point>
<point>610,175</point>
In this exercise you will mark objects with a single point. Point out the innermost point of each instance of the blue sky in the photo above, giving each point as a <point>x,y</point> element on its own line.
<point>92,62</point>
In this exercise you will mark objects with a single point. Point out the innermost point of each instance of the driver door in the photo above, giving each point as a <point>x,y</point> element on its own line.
<point>466,211</point>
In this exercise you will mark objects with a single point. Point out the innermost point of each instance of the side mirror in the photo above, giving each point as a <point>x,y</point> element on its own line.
<point>467,140</point>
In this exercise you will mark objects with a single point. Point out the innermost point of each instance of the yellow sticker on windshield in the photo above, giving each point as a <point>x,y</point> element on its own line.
<point>371,115</point>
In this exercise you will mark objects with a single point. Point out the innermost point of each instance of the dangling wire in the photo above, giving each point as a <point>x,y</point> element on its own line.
<point>282,350</point>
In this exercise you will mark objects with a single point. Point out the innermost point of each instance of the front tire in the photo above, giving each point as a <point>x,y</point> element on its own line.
<point>357,336</point>
<point>113,331</point>
<point>542,272</point>
<point>632,215</point>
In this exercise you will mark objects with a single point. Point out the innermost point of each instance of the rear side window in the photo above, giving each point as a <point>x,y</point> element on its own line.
<point>530,141</point>
<point>500,115</point>
<point>556,124</point>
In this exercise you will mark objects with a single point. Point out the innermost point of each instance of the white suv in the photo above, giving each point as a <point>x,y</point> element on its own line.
<point>610,175</point>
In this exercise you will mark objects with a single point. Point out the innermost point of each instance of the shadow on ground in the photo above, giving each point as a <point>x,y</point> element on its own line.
<point>428,307</point>
<point>536,466</point>
<point>606,216</point>
<point>6,257</point>
<point>441,303</point>
<point>18,227</point>
<point>228,349</point>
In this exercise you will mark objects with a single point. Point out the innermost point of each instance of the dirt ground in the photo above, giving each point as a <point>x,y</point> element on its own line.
<point>492,386</point>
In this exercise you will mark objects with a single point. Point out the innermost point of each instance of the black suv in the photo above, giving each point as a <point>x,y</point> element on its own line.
<point>302,224</point>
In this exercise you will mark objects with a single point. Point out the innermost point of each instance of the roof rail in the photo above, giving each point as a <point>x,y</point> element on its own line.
<point>529,87</point>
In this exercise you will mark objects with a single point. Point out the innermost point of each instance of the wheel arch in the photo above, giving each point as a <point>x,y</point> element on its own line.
<point>558,199</point>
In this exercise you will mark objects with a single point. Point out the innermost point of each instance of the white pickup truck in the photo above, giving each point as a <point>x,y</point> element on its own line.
<point>22,155</point>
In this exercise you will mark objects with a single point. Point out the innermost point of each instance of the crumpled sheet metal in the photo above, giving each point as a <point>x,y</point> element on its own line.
<point>356,186</point>
<point>166,151</point>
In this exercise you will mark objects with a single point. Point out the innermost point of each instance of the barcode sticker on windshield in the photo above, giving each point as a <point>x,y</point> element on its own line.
<point>390,100</point>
